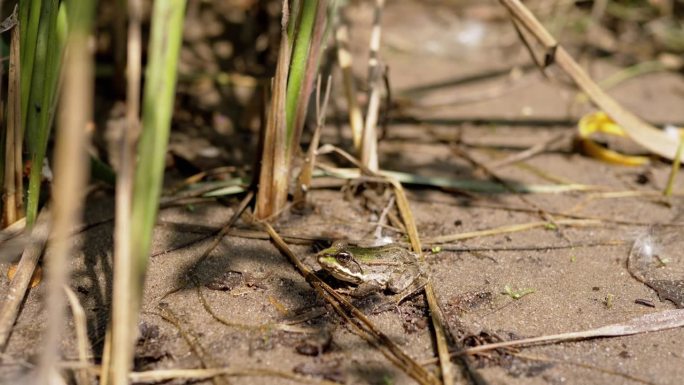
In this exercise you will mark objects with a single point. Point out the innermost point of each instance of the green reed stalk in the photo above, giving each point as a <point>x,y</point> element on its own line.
<point>298,64</point>
<point>158,101</point>
<point>49,46</point>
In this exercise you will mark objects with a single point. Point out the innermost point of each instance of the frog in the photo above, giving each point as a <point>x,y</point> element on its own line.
<point>389,268</point>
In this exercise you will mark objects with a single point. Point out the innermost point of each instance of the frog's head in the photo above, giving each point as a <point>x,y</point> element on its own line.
<point>339,261</point>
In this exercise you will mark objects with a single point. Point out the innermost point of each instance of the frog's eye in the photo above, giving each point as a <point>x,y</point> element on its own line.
<point>343,257</point>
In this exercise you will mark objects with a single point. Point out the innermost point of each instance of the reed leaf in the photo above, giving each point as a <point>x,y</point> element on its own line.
<point>49,46</point>
<point>298,67</point>
<point>158,101</point>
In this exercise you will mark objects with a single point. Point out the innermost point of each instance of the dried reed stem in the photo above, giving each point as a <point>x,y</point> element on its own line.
<point>120,346</point>
<point>71,173</point>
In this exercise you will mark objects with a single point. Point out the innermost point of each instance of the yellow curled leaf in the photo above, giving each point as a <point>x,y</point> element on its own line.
<point>600,122</point>
<point>36,278</point>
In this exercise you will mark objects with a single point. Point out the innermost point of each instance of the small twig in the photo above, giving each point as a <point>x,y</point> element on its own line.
<point>306,175</point>
<point>652,322</point>
<point>192,340</point>
<point>13,240</point>
<point>156,376</point>
<point>219,234</point>
<point>530,152</point>
<point>538,63</point>
<point>512,84</point>
<point>222,170</point>
<point>262,328</point>
<point>83,377</point>
<point>383,218</point>
<point>10,22</point>
<point>226,228</point>
<point>20,284</point>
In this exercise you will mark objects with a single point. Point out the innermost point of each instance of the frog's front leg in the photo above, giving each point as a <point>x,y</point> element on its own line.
<point>405,278</point>
<point>366,288</point>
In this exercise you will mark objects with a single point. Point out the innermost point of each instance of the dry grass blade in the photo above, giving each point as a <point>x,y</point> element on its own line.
<point>22,278</point>
<point>355,317</point>
<point>534,247</point>
<point>122,336</point>
<point>305,176</point>
<point>642,133</point>
<point>165,39</point>
<point>344,59</point>
<point>483,186</point>
<point>616,221</point>
<point>631,194</point>
<point>273,176</point>
<point>512,229</point>
<point>155,376</point>
<point>192,339</point>
<point>369,140</point>
<point>669,186</point>
<point>71,173</point>
<point>435,311</point>
<point>13,178</point>
<point>219,234</point>
<point>530,152</point>
<point>13,239</point>
<point>257,328</point>
<point>664,320</point>
<point>14,230</point>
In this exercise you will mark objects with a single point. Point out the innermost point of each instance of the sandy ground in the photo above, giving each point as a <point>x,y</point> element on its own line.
<point>579,279</point>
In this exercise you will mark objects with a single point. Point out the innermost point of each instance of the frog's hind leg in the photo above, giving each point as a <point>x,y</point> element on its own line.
<point>414,288</point>
<point>392,302</point>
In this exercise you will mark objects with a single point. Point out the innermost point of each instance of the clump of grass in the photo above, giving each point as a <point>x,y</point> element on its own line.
<point>303,34</point>
<point>42,46</point>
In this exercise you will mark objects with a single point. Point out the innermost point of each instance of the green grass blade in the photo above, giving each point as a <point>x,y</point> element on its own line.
<point>158,101</point>
<point>29,19</point>
<point>157,109</point>
<point>316,45</point>
<point>295,9</point>
<point>298,64</point>
<point>40,105</point>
